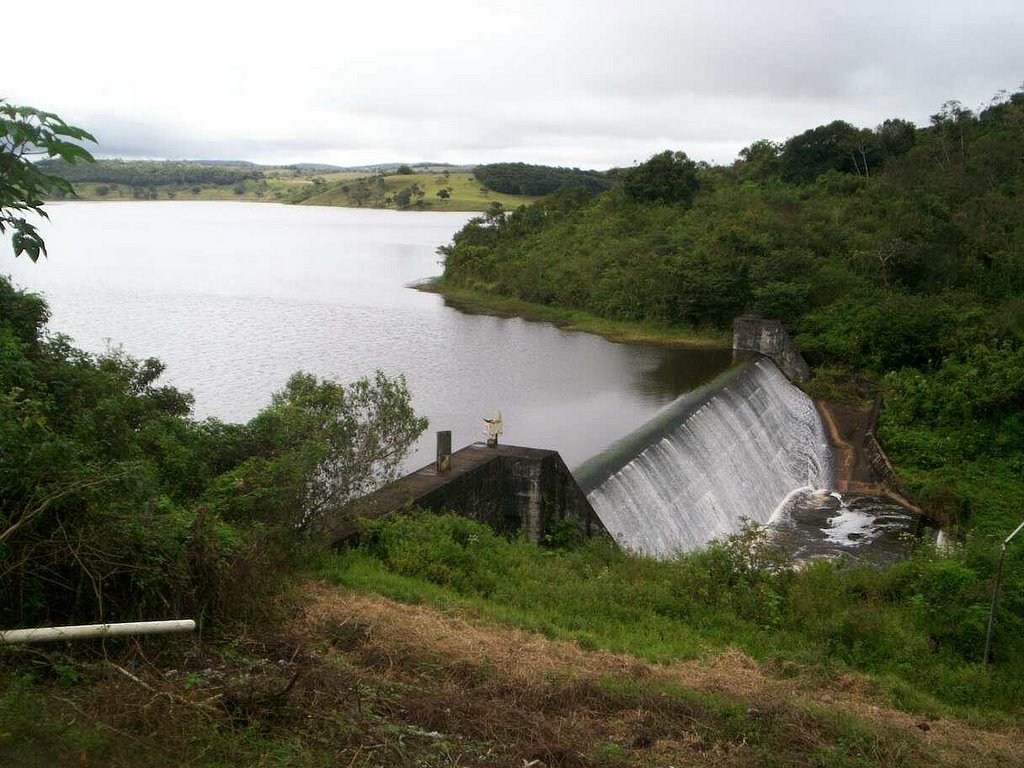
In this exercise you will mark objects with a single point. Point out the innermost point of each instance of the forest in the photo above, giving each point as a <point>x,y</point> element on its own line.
<point>523,179</point>
<point>147,173</point>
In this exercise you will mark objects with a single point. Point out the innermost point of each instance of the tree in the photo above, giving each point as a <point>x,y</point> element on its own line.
<point>403,197</point>
<point>952,126</point>
<point>495,213</point>
<point>760,161</point>
<point>523,179</point>
<point>444,193</point>
<point>26,132</point>
<point>837,146</point>
<point>322,445</point>
<point>668,177</point>
<point>896,136</point>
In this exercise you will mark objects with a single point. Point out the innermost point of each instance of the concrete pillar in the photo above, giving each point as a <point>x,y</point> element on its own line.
<point>444,450</point>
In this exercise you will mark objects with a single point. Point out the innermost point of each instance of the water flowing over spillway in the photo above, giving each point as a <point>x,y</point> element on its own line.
<point>727,453</point>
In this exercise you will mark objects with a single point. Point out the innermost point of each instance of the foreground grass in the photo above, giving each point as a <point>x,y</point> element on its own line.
<point>480,302</point>
<point>917,628</point>
<point>358,680</point>
<point>438,643</point>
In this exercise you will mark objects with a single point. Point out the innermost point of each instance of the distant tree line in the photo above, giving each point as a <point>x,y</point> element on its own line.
<point>523,179</point>
<point>150,173</point>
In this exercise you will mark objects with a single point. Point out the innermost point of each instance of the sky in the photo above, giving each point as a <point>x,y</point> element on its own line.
<point>590,83</point>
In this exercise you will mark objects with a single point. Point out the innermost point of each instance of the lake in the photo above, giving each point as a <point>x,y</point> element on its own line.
<point>234,297</point>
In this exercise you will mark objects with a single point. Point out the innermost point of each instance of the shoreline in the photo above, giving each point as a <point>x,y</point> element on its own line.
<point>428,208</point>
<point>617,331</point>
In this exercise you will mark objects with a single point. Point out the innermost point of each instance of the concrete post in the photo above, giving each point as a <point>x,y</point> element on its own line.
<point>444,450</point>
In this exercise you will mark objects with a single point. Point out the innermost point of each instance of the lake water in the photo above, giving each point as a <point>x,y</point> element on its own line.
<point>234,297</point>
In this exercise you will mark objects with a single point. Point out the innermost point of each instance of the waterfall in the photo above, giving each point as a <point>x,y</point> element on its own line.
<point>737,449</point>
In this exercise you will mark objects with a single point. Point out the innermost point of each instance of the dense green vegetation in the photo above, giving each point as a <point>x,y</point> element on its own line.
<point>116,505</point>
<point>903,262</point>
<point>149,173</point>
<point>917,627</point>
<point>26,134</point>
<point>536,180</point>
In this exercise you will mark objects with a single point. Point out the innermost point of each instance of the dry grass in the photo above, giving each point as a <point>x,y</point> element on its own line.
<point>358,680</point>
<point>584,683</point>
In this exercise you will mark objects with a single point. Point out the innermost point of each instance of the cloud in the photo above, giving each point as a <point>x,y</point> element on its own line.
<point>595,83</point>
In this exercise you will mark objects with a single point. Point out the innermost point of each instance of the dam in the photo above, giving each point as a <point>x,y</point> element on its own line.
<point>736,449</point>
<point>748,445</point>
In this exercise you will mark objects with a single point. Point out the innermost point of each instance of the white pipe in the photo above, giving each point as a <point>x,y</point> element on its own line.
<point>1018,530</point>
<point>93,631</point>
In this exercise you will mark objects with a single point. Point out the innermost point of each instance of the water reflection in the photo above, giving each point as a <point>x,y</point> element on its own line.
<point>234,297</point>
<point>682,372</point>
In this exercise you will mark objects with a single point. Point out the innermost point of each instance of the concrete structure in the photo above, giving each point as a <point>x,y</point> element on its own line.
<point>860,462</point>
<point>514,490</point>
<point>769,338</point>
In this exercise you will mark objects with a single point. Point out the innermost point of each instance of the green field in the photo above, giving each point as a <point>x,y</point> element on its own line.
<point>466,192</point>
<point>353,189</point>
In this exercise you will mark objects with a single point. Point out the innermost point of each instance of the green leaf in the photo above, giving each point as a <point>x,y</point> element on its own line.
<point>26,132</point>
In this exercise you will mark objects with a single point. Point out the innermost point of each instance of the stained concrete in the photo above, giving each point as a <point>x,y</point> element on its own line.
<point>861,465</point>
<point>769,338</point>
<point>512,489</point>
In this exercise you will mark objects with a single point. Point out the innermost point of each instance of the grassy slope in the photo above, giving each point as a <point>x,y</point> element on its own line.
<point>358,680</point>
<point>466,193</point>
<point>283,185</point>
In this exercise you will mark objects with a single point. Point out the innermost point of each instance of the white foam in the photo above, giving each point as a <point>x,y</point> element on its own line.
<point>850,528</point>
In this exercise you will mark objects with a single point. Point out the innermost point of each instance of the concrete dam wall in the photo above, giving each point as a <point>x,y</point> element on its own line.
<point>735,449</point>
<point>769,338</point>
<point>514,490</point>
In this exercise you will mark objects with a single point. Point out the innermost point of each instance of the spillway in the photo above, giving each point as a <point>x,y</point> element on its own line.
<point>737,449</point>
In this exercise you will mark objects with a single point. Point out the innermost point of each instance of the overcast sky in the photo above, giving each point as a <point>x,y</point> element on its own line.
<point>591,83</point>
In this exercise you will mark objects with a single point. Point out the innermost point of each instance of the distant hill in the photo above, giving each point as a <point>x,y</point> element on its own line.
<point>420,186</point>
